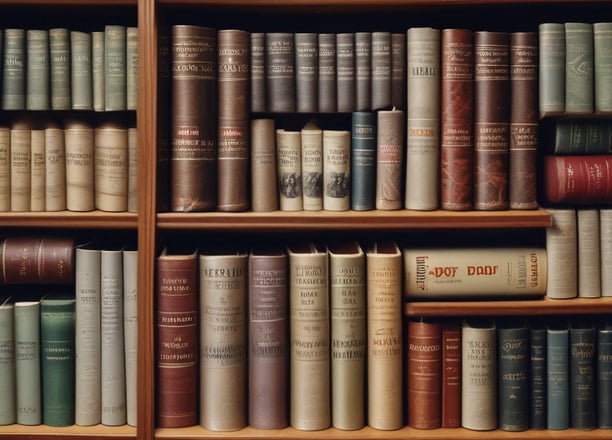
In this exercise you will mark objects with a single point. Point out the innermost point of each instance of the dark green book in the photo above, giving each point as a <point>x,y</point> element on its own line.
<point>14,70</point>
<point>537,376</point>
<point>363,161</point>
<point>582,136</point>
<point>557,371</point>
<point>57,319</point>
<point>583,404</point>
<point>604,375</point>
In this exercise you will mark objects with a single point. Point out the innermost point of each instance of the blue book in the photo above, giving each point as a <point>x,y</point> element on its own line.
<point>557,371</point>
<point>363,161</point>
<point>537,385</point>
<point>582,342</point>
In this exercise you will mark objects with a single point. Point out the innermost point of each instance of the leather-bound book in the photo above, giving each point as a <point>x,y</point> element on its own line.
<point>363,71</point>
<point>363,161</point>
<point>604,379</point>
<point>328,101</point>
<point>578,179</point>
<point>389,159</point>
<point>306,72</point>
<point>557,375</point>
<point>280,72</point>
<point>381,70</point>
<point>398,70</point>
<point>583,375</point>
<point>451,373</point>
<point>258,72</point>
<point>345,65</point>
<point>537,374</point>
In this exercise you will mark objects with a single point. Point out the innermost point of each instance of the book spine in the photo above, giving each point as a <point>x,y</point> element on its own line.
<point>336,170</point>
<point>451,374</point>
<point>81,75</point>
<point>37,69</point>
<point>551,69</point>
<point>111,167</point>
<point>280,72</point>
<point>589,256</point>
<point>163,122</point>
<point>21,166</point>
<point>131,80</point>
<point>604,379</point>
<point>132,184</point>
<point>306,72</point>
<point>381,70</point>
<point>363,71</point>
<point>27,363</point>
<point>579,57</point>
<point>424,373</point>
<point>289,165</point>
<point>345,71</point>
<point>55,169</point>
<point>80,165</point>
<point>523,145</point>
<point>327,85</point>
<point>583,401</point>
<point>312,167</point>
<point>233,126</point>
<point>423,119</point>
<point>602,67</point>
<point>557,374</point>
<point>194,102</point>
<point>562,250</point>
<point>5,168</point>
<point>491,119</point>
<point>398,70</point>
<point>537,378</point>
<point>605,237</point>
<point>363,161</point>
<point>258,72</point>
<point>456,120</point>
<point>578,179</point>
<point>582,137</point>
<point>264,189</point>
<point>14,70</point>
<point>130,333</point>
<point>37,170</point>
<point>8,402</point>
<point>389,159</point>
<point>98,39</point>
<point>59,69</point>
<point>115,67</point>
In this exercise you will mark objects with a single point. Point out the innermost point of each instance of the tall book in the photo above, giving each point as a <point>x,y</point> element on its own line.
<point>98,39</point>
<point>57,332</point>
<point>264,187</point>
<point>177,338</point>
<point>589,253</point>
<point>491,119</point>
<point>280,72</point>
<point>577,179</point>
<point>602,67</point>
<point>605,237</point>
<point>513,362</point>
<point>131,67</point>
<point>310,400</point>
<point>562,250</point>
<point>479,374</point>
<point>327,85</point>
<point>384,330</point>
<point>81,66</point>
<point>398,70</point>
<point>7,363</point>
<point>537,375</point>
<point>37,169</point>
<point>381,70</point>
<point>522,191</point>
<point>557,374</point>
<point>582,374</point>
<point>111,167</point>
<point>21,165</point>
<point>14,57</point>
<point>345,71</point>
<point>389,159</point>
<point>258,72</point>
<point>289,166</point>
<point>551,69</point>
<point>363,71</point>
<point>223,339</point>
<point>456,119</point>
<point>164,120</point>
<point>579,56</point>
<point>306,72</point>
<point>424,373</point>
<point>312,166</point>
<point>55,168</point>
<point>336,170</point>
<point>193,176</point>
<point>115,67</point>
<point>233,127</point>
<point>80,165</point>
<point>348,337</point>
<point>363,161</point>
<point>59,69</point>
<point>132,184</point>
<point>130,332</point>
<point>5,168</point>
<point>37,69</point>
<point>28,388</point>
<point>603,382</point>
<point>268,339</point>
<point>451,373</point>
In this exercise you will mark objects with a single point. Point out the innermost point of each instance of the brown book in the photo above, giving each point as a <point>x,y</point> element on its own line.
<point>451,373</point>
<point>163,124</point>
<point>491,119</point>
<point>381,70</point>
<point>233,137</point>
<point>177,339</point>
<point>264,180</point>
<point>280,72</point>
<point>194,119</point>
<point>389,159</point>
<point>424,373</point>
<point>258,72</point>
<point>398,70</point>
<point>37,260</point>
<point>457,120</point>
<point>363,71</point>
<point>523,120</point>
<point>268,330</point>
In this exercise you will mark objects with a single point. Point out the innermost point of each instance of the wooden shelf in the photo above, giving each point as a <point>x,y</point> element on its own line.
<point>69,220</point>
<point>44,432</point>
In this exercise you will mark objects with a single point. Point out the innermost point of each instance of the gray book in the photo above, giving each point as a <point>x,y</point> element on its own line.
<point>602,68</point>
<point>7,362</point>
<point>280,73</point>
<point>27,362</point>
<point>115,72</point>
<point>578,68</point>
<point>97,70</point>
<point>381,70</point>
<point>306,72</point>
<point>363,71</point>
<point>327,73</point>
<point>345,65</point>
<point>59,68</point>
<point>131,52</point>
<point>14,69</point>
<point>37,70</point>
<point>81,70</point>
<point>551,66</point>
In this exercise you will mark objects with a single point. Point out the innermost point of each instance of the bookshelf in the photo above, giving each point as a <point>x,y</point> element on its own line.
<point>153,228</point>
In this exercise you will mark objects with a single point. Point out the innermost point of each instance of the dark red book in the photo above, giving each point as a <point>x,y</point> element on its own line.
<point>578,179</point>
<point>451,373</point>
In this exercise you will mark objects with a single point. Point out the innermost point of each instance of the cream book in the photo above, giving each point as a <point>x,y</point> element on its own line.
<point>130,332</point>
<point>605,225</point>
<point>79,147</point>
<point>21,165</point>
<point>55,169</point>
<point>289,164</point>
<point>562,250</point>
<point>312,166</point>
<point>589,256</point>
<point>5,169</point>
<point>132,189</point>
<point>336,170</point>
<point>264,186</point>
<point>37,170</point>
<point>111,167</point>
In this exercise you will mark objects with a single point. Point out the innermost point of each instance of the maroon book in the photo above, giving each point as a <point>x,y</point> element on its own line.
<point>578,179</point>
<point>451,373</point>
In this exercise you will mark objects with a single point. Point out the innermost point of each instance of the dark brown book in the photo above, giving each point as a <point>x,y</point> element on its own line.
<point>268,339</point>
<point>258,72</point>
<point>164,89</point>
<point>345,66</point>
<point>306,72</point>
<point>194,119</point>
<point>457,120</point>
<point>234,121</point>
<point>491,119</point>
<point>451,373</point>
<point>578,179</point>
<point>327,73</point>
<point>524,115</point>
<point>177,339</point>
<point>381,70</point>
<point>37,260</point>
<point>424,372</point>
<point>398,71</point>
<point>280,72</point>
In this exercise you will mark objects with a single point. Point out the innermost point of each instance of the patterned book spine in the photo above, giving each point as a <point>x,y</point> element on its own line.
<point>336,170</point>
<point>289,160</point>
<point>389,159</point>
<point>312,166</point>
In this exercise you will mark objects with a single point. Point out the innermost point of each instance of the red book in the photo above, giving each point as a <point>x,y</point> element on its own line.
<point>578,179</point>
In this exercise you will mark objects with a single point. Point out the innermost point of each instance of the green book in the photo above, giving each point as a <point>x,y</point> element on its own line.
<point>583,403</point>
<point>59,69</point>
<point>7,363</point>
<point>37,69</point>
<point>27,362</point>
<point>14,69</point>
<point>582,136</point>
<point>557,372</point>
<point>115,73</point>
<point>81,70</point>
<point>602,67</point>
<point>97,70</point>
<point>579,68</point>
<point>551,87</point>
<point>57,322</point>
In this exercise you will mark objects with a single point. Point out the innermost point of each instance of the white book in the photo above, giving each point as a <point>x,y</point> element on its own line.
<point>312,167</point>
<point>5,169</point>
<point>55,169</point>
<point>27,363</point>
<point>7,363</point>
<point>289,165</point>
<point>37,170</point>
<point>336,170</point>
<point>589,257</point>
<point>605,224</point>
<point>130,331</point>
<point>562,253</point>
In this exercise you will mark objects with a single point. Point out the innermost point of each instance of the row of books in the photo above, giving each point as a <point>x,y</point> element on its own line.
<point>74,166</point>
<point>66,69</point>
<point>70,356</point>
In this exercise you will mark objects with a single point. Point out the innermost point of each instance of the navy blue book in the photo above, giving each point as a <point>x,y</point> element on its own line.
<point>537,384</point>
<point>583,404</point>
<point>363,161</point>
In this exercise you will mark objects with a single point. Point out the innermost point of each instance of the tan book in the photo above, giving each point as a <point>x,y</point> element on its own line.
<point>5,169</point>
<point>389,159</point>
<point>589,257</point>
<point>132,203</point>
<point>336,170</point>
<point>21,162</point>
<point>347,290</point>
<point>97,70</point>
<point>79,144</point>
<point>289,163</point>
<point>131,81</point>
<point>605,236</point>
<point>310,402</point>
<point>562,250</point>
<point>384,328</point>
<point>111,167</point>
<point>37,170</point>
<point>264,187</point>
<point>55,169</point>
<point>223,374</point>
<point>312,166</point>
<point>130,332</point>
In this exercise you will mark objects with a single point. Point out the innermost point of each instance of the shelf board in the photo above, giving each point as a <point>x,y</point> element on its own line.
<point>44,432</point>
<point>353,220</point>
<point>542,306</point>
<point>55,3</point>
<point>69,219</point>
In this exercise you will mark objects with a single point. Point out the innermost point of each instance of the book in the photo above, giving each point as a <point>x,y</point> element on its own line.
<point>491,119</point>
<point>98,39</point>
<point>37,69</point>
<point>312,166</point>
<point>163,120</point>
<point>258,72</point>
<point>233,126</point>
<point>557,376</point>
<point>79,145</point>
<point>551,69</point>
<point>513,362</point>
<point>345,71</point>
<point>177,292</point>
<point>603,380</point>
<point>268,339</point>
<point>57,327</point>
<point>363,161</point>
<point>602,63</point>
<point>8,414</point>
<point>523,144</point>
<point>131,67</point>
<point>289,168</point>
<point>309,321</point>
<point>132,184</point>
<point>264,187</point>
<point>363,71</point>
<point>424,373</point>
<point>381,70</point>
<point>280,72</point>
<point>451,373</point>
<point>111,167</point>
<point>115,67</point>
<point>582,377</point>
<point>479,374</point>
<point>348,337</point>
<point>14,58</point>
<point>489,272</point>
<point>389,159</point>
<point>605,243</point>
<point>130,332</point>
<point>456,119</point>
<point>28,388</point>
<point>537,375</point>
<point>589,256</point>
<point>37,169</point>
<point>577,180</point>
<point>306,72</point>
<point>55,168</point>
<point>327,73</point>
<point>5,168</point>
<point>562,251</point>
<point>81,75</point>
<point>580,136</point>
<point>21,165</point>
<point>223,339</point>
<point>59,69</point>
<point>194,100</point>
<point>336,170</point>
<point>385,366</point>
<point>423,119</point>
<point>398,70</point>
<point>579,57</point>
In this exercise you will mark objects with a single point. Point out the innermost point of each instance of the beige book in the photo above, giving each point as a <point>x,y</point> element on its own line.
<point>131,80</point>
<point>589,256</point>
<point>223,380</point>
<point>312,166</point>
<point>79,147</point>
<point>97,70</point>
<point>111,168</point>
<point>336,170</point>
<point>289,163</point>
<point>384,329</point>
<point>562,251</point>
<point>37,171</point>
<point>347,289</point>
<point>130,332</point>
<point>21,162</point>
<point>389,159</point>
<point>5,169</point>
<point>264,186</point>
<point>132,203</point>
<point>55,169</point>
<point>310,402</point>
<point>605,235</point>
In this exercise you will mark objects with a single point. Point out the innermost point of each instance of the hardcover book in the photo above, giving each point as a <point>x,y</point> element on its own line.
<point>80,165</point>
<point>577,179</point>
<point>602,62</point>
<point>336,170</point>
<point>558,376</point>
<point>389,159</point>
<point>562,250</point>
<point>363,71</point>
<point>312,166</point>
<point>580,136</point>
<point>37,69</point>
<point>28,388</point>
<point>55,169</point>
<point>59,69</point>
<point>345,69</point>
<point>115,67</point>
<point>451,373</point>
<point>551,69</point>
<point>582,366</point>
<point>130,332</point>
<point>21,165</point>
<point>327,85</point>
<point>306,72</point>
<point>363,161</point>
<point>258,72</point>
<point>81,66</point>
<point>537,376</point>
<point>8,414</point>
<point>289,166</point>
<point>381,70</point>
<point>264,179</point>
<point>111,167</point>
<point>579,57</point>
<point>603,382</point>
<point>14,58</point>
<point>605,236</point>
<point>280,72</point>
<point>589,253</point>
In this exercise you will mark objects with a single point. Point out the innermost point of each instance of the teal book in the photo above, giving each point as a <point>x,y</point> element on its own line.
<point>583,403</point>
<point>14,69</point>
<point>579,79</point>
<point>57,323</point>
<point>363,161</point>
<point>115,73</point>
<point>7,362</point>
<point>27,362</point>
<point>604,375</point>
<point>37,69</point>
<point>557,371</point>
<point>551,66</point>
